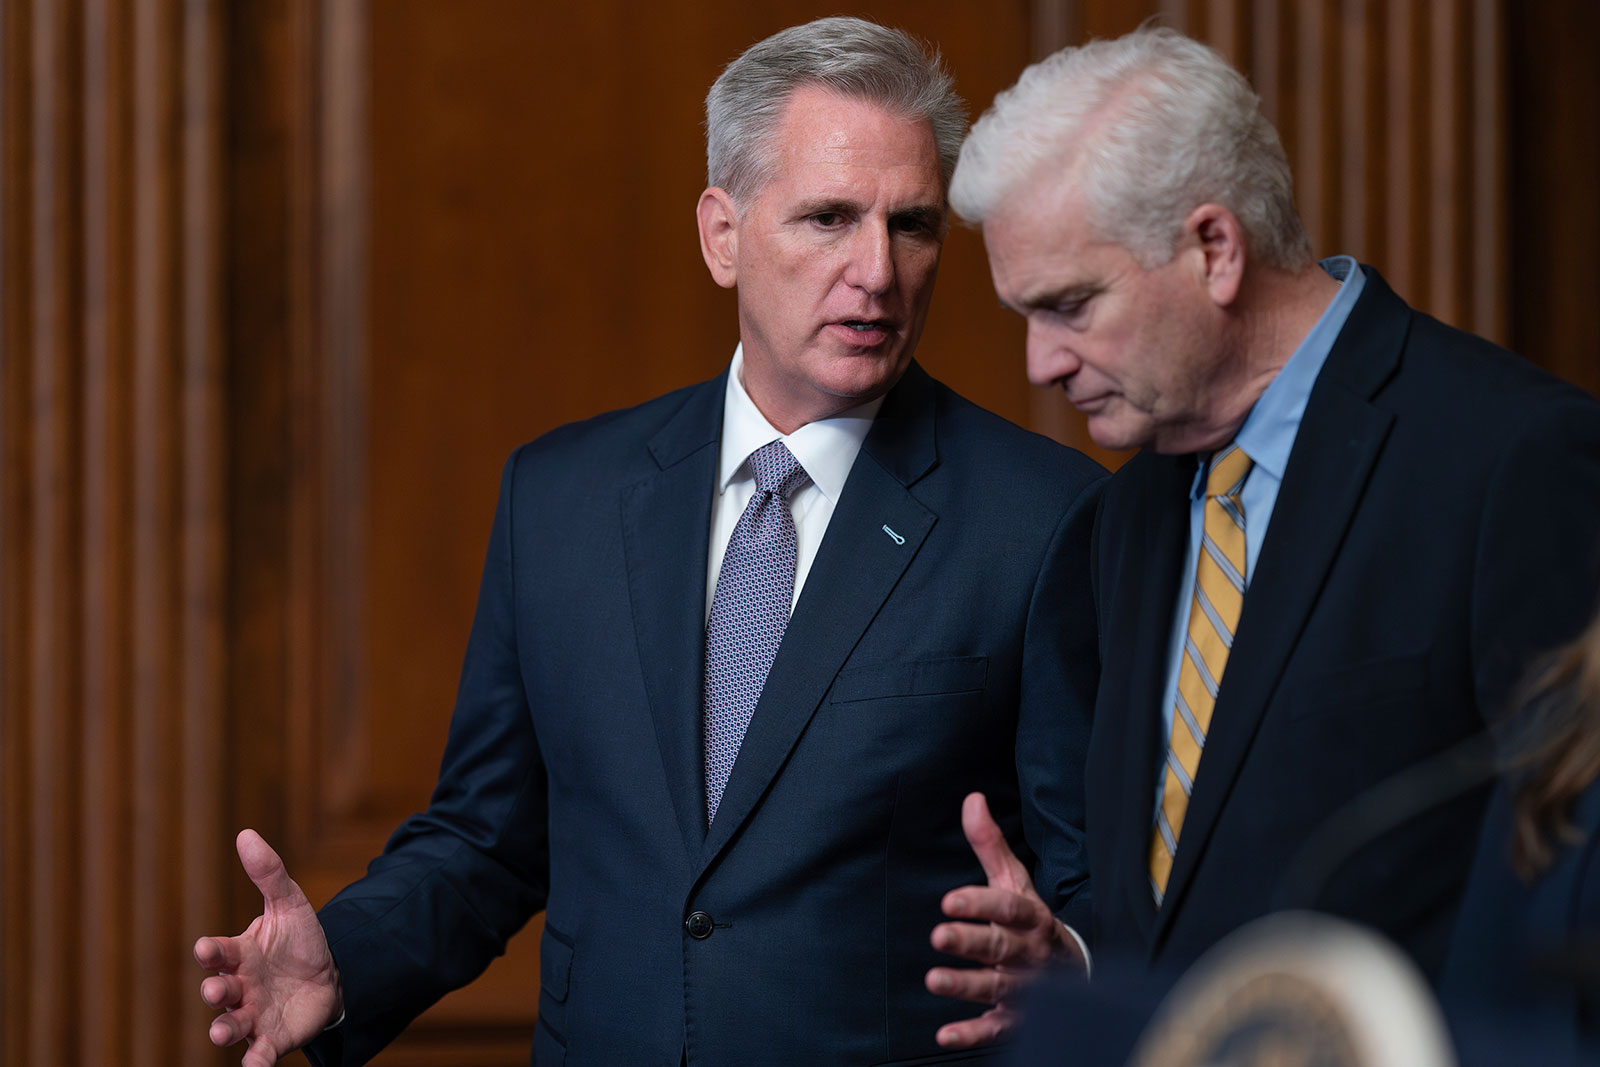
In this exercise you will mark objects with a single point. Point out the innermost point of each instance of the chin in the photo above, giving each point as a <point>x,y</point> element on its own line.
<point>1118,438</point>
<point>863,377</point>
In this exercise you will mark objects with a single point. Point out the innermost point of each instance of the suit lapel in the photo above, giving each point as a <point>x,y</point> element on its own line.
<point>857,566</point>
<point>1339,441</point>
<point>1162,525</point>
<point>666,521</point>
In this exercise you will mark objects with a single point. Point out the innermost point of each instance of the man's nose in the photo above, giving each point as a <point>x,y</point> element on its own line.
<point>1049,360</point>
<point>871,264</point>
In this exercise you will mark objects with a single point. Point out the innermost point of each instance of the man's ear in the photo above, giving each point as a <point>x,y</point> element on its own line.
<point>1216,233</point>
<point>719,235</point>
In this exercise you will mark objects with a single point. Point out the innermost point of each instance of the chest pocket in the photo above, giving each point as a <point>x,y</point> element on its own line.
<point>960,674</point>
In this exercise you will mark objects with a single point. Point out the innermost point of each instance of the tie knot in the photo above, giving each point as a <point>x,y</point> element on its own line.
<point>776,470</point>
<point>1229,468</point>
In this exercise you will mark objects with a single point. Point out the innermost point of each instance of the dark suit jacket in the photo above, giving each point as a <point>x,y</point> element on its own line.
<point>1522,980</point>
<point>1438,522</point>
<point>955,653</point>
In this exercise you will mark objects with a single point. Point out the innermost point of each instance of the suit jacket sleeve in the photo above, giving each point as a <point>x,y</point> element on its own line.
<point>455,882</point>
<point>1060,675</point>
<point>1538,560</point>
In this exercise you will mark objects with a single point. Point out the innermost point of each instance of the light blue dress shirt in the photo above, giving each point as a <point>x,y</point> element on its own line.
<point>1267,436</point>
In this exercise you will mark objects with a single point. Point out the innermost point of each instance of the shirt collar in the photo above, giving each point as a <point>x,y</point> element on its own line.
<point>1268,433</point>
<point>826,448</point>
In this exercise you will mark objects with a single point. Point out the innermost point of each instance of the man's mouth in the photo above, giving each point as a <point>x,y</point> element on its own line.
<point>1089,404</point>
<point>865,325</point>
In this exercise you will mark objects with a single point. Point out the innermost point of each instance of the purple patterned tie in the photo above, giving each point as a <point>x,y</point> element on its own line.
<point>749,611</point>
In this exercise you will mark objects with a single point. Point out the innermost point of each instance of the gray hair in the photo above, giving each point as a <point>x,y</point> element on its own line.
<point>848,56</point>
<point>1151,125</point>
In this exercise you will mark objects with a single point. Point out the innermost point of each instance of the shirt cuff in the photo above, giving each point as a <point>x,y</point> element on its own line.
<point>1083,949</point>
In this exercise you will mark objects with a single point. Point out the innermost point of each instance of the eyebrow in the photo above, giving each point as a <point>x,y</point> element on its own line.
<point>820,205</point>
<point>931,217</point>
<point>926,214</point>
<point>1055,298</point>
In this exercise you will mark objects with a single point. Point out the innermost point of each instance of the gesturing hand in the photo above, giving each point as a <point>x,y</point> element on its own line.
<point>1010,931</point>
<point>276,982</point>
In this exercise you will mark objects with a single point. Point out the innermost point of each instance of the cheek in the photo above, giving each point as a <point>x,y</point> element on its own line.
<point>916,265</point>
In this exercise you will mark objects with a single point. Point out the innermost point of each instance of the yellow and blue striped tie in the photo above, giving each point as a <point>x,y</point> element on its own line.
<point>1213,617</point>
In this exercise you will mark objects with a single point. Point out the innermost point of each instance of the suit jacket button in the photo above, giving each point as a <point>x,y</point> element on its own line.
<point>699,925</point>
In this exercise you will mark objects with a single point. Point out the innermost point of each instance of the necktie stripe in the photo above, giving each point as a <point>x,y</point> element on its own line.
<point>1186,748</point>
<point>1180,774</point>
<point>1169,841</point>
<point>1216,620</point>
<point>1194,692</point>
<point>1230,507</point>
<point>1228,568</point>
<point>1196,731</point>
<point>1208,642</point>
<point>1213,620</point>
<point>1198,662</point>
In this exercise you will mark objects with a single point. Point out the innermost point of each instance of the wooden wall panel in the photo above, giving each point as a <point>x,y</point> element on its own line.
<point>1554,165</point>
<point>283,283</point>
<point>111,536</point>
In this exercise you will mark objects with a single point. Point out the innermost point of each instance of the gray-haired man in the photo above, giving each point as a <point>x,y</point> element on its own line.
<point>1350,529</point>
<point>739,653</point>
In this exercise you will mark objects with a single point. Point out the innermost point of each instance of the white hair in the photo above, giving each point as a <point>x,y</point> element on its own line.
<point>1150,126</point>
<point>848,56</point>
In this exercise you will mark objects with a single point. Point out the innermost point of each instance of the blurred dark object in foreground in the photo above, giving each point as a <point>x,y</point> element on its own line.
<point>1294,989</point>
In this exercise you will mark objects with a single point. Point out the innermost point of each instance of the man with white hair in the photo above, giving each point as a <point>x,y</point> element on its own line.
<point>1349,530</point>
<point>739,653</point>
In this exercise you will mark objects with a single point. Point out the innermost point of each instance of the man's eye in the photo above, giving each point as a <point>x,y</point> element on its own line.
<point>913,224</point>
<point>827,219</point>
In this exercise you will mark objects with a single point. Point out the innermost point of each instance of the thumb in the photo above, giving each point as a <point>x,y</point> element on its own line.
<point>266,870</point>
<point>1000,864</point>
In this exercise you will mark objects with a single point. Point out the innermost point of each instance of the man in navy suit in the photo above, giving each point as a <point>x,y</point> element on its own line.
<point>1348,531</point>
<point>739,653</point>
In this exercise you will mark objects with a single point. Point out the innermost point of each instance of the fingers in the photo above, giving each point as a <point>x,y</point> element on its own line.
<point>222,991</point>
<point>995,945</point>
<point>230,1027</point>
<point>983,985</point>
<point>218,953</point>
<point>237,1025</point>
<point>986,1029</point>
<point>1000,864</point>
<point>1004,906</point>
<point>265,869</point>
<point>260,1054</point>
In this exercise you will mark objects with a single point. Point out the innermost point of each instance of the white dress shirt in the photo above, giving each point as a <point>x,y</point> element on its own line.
<point>826,448</point>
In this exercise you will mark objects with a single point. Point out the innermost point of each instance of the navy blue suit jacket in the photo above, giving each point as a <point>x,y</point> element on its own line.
<point>944,642</point>
<point>1436,527</point>
<point>1522,980</point>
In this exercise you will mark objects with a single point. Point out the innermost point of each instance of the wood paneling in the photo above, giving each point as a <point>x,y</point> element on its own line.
<point>112,539</point>
<point>1554,165</point>
<point>283,283</point>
